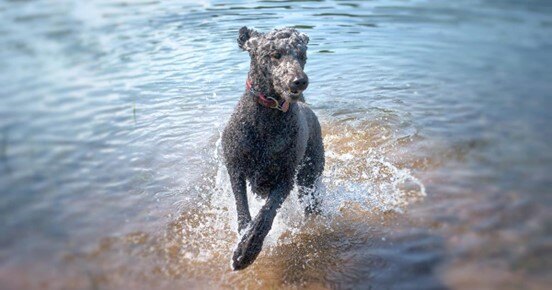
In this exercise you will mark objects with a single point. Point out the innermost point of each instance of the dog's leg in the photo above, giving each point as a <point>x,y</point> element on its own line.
<point>307,179</point>
<point>309,197</point>
<point>240,195</point>
<point>251,242</point>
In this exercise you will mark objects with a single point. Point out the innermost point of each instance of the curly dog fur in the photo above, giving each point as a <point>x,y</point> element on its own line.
<point>269,148</point>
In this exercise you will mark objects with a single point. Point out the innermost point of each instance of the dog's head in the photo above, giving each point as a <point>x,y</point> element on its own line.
<point>279,58</point>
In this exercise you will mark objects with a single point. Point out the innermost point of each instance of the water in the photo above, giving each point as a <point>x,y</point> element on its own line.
<point>435,117</point>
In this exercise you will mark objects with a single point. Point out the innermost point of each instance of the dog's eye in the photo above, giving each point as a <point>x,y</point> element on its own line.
<point>276,55</point>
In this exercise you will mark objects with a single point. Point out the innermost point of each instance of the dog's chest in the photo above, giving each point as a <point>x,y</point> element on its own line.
<point>268,149</point>
<point>271,144</point>
<point>270,162</point>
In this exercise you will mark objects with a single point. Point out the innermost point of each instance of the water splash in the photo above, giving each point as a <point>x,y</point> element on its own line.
<point>358,180</point>
<point>359,188</point>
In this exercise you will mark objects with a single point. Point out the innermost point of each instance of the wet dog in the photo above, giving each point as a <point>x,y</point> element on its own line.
<point>273,139</point>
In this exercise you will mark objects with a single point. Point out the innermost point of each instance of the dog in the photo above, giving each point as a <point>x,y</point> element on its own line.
<point>273,139</point>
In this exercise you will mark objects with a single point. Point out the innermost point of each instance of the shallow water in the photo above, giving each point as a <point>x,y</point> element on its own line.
<point>435,118</point>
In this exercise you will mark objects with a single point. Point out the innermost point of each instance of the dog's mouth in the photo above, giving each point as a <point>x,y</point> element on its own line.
<point>295,94</point>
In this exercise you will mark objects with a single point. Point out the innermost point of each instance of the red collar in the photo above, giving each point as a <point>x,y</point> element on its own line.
<point>268,102</point>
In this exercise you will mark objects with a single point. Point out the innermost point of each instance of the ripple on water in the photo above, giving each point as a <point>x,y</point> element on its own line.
<point>108,132</point>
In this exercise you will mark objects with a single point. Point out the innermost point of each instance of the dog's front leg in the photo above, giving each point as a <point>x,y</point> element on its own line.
<point>240,195</point>
<point>251,242</point>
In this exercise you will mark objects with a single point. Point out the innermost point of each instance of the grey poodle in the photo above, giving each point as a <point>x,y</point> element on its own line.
<point>273,138</point>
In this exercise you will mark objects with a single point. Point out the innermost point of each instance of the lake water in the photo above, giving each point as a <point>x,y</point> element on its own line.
<point>436,121</point>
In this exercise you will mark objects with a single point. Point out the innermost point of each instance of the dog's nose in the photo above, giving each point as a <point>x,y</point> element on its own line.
<point>299,83</point>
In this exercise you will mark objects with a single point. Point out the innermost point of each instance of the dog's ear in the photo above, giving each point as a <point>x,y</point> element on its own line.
<point>247,38</point>
<point>304,38</point>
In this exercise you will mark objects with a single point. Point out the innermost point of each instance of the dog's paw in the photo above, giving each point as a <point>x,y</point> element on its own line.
<point>247,250</point>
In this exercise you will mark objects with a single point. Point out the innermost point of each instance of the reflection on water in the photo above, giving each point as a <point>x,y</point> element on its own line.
<point>435,118</point>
